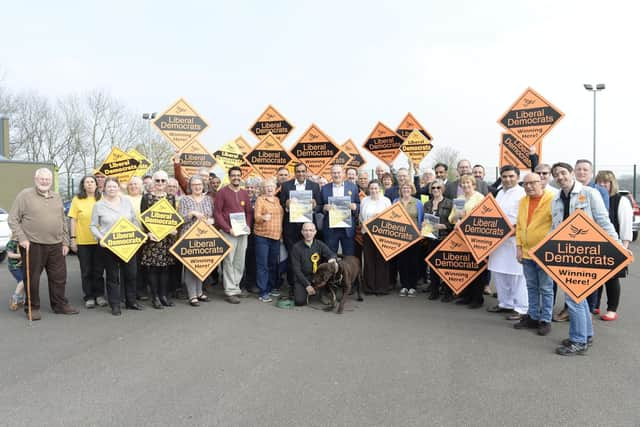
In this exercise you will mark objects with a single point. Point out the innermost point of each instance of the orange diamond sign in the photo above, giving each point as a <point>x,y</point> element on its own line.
<point>383,143</point>
<point>352,150</point>
<point>195,156</point>
<point>244,146</point>
<point>485,228</point>
<point>453,261</point>
<point>408,124</point>
<point>342,159</point>
<point>271,121</point>
<point>268,156</point>
<point>392,231</point>
<point>531,117</point>
<point>580,256</point>
<point>180,123</point>
<point>516,153</point>
<point>201,248</point>
<point>315,149</point>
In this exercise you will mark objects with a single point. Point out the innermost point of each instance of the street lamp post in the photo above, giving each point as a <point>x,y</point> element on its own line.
<point>598,88</point>
<point>148,117</point>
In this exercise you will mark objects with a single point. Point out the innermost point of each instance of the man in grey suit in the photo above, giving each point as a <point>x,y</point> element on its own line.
<point>452,188</point>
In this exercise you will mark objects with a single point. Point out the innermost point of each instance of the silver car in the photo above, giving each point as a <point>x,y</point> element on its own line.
<point>636,213</point>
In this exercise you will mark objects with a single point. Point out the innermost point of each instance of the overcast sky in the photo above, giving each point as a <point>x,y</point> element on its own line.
<point>456,65</point>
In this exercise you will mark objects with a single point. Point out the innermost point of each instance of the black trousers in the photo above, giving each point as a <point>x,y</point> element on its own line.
<point>474,292</point>
<point>300,292</point>
<point>117,270</point>
<point>408,265</point>
<point>142,277</point>
<point>613,294</point>
<point>289,241</point>
<point>436,280</point>
<point>91,268</point>
<point>158,281</point>
<point>249,277</point>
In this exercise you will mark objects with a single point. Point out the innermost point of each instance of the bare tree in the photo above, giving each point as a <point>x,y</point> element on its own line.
<point>35,126</point>
<point>157,150</point>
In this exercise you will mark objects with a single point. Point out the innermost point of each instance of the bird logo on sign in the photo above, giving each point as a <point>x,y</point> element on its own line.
<point>575,231</point>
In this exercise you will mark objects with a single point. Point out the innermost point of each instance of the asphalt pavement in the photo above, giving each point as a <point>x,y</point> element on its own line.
<point>387,361</point>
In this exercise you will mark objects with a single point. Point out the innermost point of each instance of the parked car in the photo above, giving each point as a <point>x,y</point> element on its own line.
<point>5,233</point>
<point>636,213</point>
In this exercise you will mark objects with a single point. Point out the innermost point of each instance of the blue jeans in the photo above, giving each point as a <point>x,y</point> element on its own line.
<point>333,236</point>
<point>580,326</point>
<point>539,290</point>
<point>594,300</point>
<point>267,254</point>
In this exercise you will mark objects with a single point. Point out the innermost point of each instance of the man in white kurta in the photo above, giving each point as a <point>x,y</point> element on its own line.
<point>506,271</point>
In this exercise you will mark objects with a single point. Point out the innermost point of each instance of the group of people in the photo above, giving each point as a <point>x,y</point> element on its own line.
<point>271,247</point>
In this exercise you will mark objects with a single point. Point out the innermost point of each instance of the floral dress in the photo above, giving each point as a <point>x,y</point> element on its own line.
<point>156,254</point>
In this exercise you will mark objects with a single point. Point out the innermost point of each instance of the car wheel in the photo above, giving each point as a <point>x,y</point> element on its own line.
<point>635,236</point>
<point>3,255</point>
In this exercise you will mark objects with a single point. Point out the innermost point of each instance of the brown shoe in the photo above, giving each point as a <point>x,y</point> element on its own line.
<point>544,328</point>
<point>232,299</point>
<point>35,315</point>
<point>66,309</point>
<point>526,322</point>
<point>514,316</point>
<point>498,309</point>
<point>244,294</point>
<point>563,316</point>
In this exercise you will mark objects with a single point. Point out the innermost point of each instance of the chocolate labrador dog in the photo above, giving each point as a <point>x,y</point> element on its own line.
<point>340,275</point>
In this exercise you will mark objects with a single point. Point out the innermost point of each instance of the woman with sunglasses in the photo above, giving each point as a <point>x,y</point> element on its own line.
<point>472,295</point>
<point>155,253</point>
<point>441,207</point>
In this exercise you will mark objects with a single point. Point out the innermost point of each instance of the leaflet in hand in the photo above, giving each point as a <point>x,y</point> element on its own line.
<point>239,223</point>
<point>301,206</point>
<point>340,212</point>
<point>429,224</point>
<point>458,205</point>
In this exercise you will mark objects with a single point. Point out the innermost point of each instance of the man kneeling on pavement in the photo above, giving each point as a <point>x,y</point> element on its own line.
<point>306,255</point>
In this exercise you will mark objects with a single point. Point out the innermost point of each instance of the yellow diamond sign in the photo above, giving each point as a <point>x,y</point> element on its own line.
<point>161,219</point>
<point>123,239</point>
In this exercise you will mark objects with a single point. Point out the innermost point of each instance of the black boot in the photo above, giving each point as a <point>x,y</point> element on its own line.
<point>164,299</point>
<point>155,301</point>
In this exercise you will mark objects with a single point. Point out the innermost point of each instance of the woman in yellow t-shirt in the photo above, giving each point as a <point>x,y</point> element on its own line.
<point>84,244</point>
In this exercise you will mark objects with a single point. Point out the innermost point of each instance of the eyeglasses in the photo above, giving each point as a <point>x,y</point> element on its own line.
<point>161,180</point>
<point>436,187</point>
<point>543,173</point>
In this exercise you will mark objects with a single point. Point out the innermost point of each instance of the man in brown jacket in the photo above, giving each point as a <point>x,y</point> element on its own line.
<point>37,220</point>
